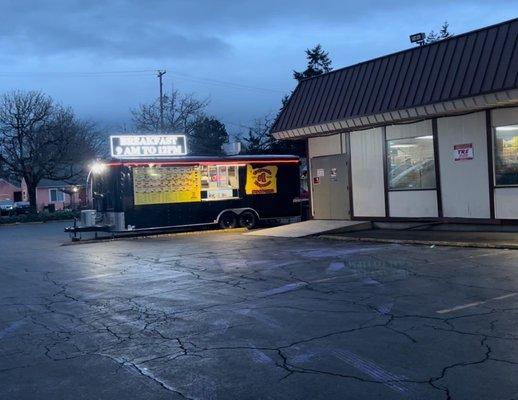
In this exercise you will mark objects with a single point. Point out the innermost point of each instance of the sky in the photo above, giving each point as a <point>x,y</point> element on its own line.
<point>101,57</point>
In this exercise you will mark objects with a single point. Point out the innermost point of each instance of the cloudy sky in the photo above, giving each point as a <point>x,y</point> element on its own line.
<point>100,57</point>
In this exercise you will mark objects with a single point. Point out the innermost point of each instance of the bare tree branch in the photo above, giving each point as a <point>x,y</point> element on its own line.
<point>180,113</point>
<point>40,139</point>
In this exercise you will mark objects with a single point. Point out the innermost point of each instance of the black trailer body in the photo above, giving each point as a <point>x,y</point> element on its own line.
<point>187,191</point>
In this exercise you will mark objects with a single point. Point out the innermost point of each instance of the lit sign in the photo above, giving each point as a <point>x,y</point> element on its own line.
<point>147,146</point>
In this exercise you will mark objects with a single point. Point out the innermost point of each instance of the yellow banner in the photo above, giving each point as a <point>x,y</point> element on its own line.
<point>261,180</point>
<point>162,185</point>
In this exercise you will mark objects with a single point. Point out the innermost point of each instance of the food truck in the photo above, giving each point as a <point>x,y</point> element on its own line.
<point>150,183</point>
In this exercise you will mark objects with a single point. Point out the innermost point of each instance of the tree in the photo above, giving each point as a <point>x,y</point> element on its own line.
<point>41,139</point>
<point>180,113</point>
<point>260,140</point>
<point>206,136</point>
<point>318,63</point>
<point>433,37</point>
<point>185,114</point>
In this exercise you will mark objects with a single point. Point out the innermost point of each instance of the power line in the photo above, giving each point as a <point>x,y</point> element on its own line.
<point>225,83</point>
<point>142,72</point>
<point>78,73</point>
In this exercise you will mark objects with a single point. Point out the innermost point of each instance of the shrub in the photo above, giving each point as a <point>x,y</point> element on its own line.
<point>39,217</point>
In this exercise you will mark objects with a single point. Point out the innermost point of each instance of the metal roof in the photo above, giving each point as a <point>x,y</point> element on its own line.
<point>474,63</point>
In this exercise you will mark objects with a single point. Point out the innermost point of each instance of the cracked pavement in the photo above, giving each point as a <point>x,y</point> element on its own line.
<point>227,316</point>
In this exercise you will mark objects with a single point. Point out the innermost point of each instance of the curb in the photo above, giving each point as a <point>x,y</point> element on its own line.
<point>479,245</point>
<point>155,235</point>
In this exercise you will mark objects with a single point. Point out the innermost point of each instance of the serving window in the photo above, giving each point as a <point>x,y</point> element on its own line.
<point>219,182</point>
<point>506,155</point>
<point>411,163</point>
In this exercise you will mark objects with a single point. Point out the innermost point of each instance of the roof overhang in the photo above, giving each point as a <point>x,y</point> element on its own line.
<point>504,98</point>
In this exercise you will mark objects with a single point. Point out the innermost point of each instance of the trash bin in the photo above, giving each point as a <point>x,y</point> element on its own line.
<point>51,208</point>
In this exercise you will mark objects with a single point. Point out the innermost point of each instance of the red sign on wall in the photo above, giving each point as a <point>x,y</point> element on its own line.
<point>463,152</point>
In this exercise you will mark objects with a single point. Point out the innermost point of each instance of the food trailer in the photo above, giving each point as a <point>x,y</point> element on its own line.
<point>156,186</point>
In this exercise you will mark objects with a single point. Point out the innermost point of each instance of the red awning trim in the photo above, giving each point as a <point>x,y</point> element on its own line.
<point>241,163</point>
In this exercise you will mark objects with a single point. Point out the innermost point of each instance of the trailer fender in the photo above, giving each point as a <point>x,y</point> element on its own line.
<point>236,211</point>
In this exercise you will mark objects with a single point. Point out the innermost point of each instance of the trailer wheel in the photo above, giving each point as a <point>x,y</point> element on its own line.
<point>248,220</point>
<point>228,220</point>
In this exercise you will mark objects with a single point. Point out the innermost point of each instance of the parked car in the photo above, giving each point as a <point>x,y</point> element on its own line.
<point>6,207</point>
<point>21,207</point>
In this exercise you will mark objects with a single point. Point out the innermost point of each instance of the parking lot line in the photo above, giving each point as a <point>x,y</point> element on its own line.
<point>474,304</point>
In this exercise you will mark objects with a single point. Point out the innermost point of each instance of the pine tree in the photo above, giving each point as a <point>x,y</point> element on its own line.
<point>318,63</point>
<point>433,37</point>
<point>444,33</point>
<point>207,136</point>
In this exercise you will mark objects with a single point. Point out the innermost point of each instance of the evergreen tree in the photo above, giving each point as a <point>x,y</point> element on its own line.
<point>433,37</point>
<point>259,139</point>
<point>318,63</point>
<point>206,137</point>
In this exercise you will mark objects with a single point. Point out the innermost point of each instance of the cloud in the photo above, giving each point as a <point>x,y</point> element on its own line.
<point>121,29</point>
<point>177,29</point>
<point>48,45</point>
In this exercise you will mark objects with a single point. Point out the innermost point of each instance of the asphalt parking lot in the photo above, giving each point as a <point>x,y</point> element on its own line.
<point>227,316</point>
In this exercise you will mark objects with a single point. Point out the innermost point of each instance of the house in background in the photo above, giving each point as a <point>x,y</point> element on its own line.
<point>59,195</point>
<point>9,191</point>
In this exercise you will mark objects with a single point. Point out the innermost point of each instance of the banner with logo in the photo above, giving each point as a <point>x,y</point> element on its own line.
<point>163,185</point>
<point>261,180</point>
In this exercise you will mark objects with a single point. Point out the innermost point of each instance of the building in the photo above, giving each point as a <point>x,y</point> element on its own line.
<point>9,191</point>
<point>428,133</point>
<point>59,195</point>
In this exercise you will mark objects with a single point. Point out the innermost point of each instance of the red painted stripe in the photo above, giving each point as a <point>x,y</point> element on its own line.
<point>147,163</point>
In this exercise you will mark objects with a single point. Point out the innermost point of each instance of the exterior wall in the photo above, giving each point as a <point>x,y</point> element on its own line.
<point>411,203</point>
<point>409,130</point>
<point>506,199</point>
<point>367,173</point>
<point>324,146</point>
<point>464,184</point>
<point>506,203</point>
<point>43,198</point>
<point>7,190</point>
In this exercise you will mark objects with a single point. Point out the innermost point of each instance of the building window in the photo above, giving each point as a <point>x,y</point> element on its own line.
<point>219,182</point>
<point>411,163</point>
<point>56,196</point>
<point>506,155</point>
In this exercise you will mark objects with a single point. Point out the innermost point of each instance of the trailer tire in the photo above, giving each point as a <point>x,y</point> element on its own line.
<point>228,220</point>
<point>247,219</point>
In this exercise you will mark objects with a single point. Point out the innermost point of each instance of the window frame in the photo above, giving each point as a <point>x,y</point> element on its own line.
<point>496,185</point>
<point>57,191</point>
<point>387,164</point>
<point>219,168</point>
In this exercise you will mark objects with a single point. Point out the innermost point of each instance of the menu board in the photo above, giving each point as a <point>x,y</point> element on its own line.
<point>163,185</point>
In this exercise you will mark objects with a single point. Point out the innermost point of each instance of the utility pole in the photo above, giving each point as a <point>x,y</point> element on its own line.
<point>159,74</point>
